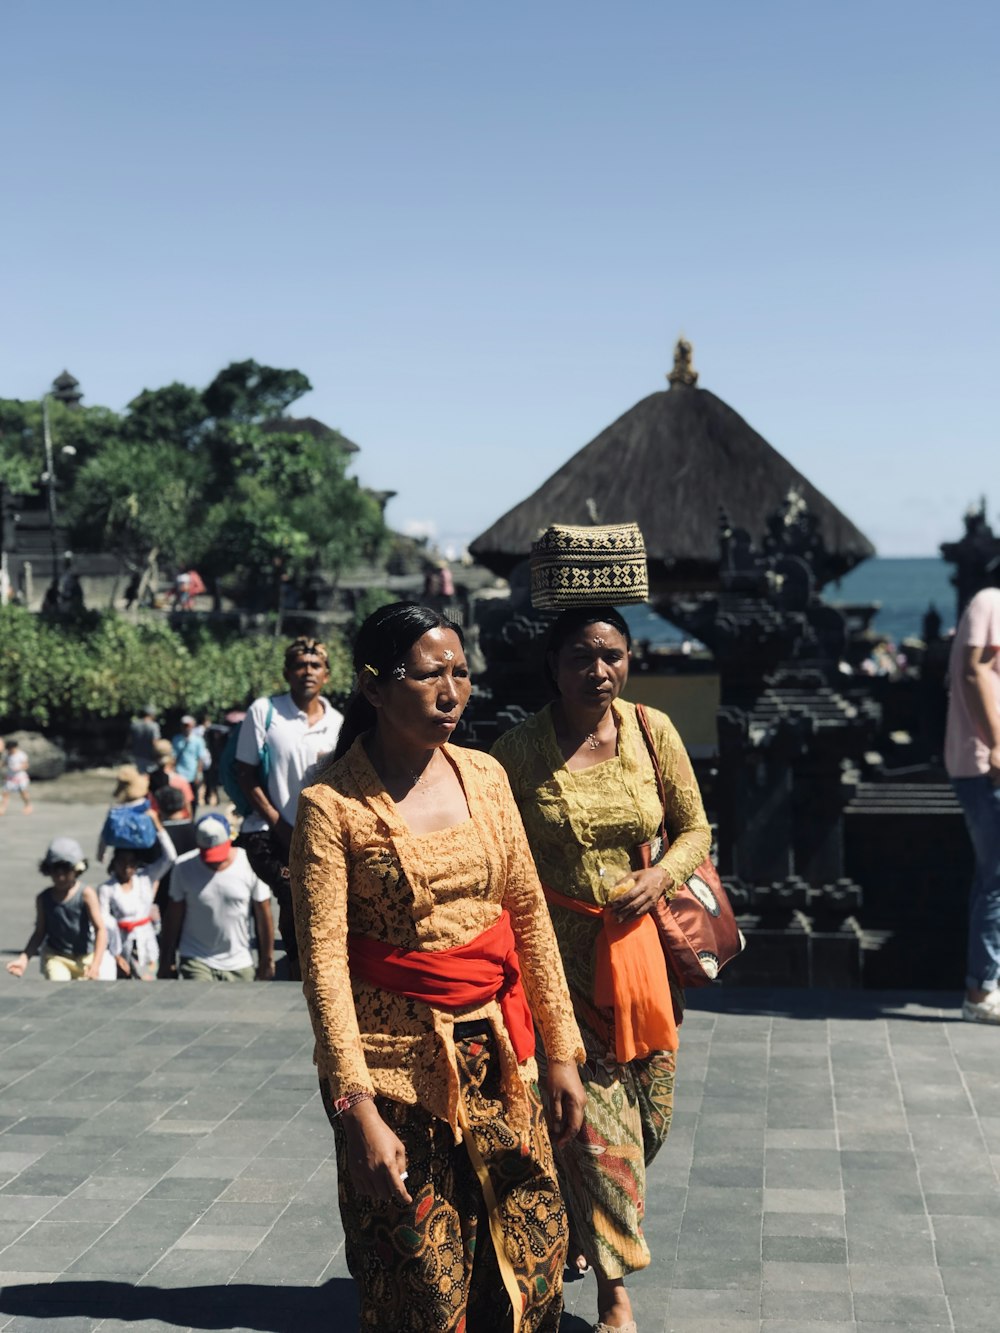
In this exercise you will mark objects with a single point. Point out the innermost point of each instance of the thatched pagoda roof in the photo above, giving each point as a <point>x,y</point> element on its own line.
<point>670,464</point>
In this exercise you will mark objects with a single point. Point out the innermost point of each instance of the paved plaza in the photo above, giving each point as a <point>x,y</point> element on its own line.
<point>165,1162</point>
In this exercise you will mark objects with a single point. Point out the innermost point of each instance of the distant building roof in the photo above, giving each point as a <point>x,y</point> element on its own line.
<point>670,464</point>
<point>310,426</point>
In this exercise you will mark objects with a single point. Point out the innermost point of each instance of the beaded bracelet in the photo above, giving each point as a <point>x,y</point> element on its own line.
<point>342,1104</point>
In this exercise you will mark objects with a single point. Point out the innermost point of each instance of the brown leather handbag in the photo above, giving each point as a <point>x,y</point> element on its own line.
<point>697,928</point>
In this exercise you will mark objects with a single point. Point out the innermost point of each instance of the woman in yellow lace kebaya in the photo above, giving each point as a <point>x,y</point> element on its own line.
<point>584,781</point>
<point>424,939</point>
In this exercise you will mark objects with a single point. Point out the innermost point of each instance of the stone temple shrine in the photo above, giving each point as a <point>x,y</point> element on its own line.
<point>809,796</point>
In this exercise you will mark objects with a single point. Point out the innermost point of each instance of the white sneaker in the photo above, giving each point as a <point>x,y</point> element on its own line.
<point>983,1011</point>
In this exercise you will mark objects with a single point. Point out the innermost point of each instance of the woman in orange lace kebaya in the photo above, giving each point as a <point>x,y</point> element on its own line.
<point>585,784</point>
<point>426,948</point>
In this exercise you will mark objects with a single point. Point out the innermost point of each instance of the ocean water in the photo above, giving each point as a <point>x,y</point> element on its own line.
<point>903,587</point>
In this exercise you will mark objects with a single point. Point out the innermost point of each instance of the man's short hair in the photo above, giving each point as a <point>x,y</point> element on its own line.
<point>305,647</point>
<point>170,800</point>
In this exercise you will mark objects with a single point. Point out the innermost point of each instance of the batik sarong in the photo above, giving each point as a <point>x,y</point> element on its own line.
<point>432,1264</point>
<point>602,1172</point>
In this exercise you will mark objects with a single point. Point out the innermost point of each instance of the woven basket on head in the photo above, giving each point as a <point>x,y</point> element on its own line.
<point>576,566</point>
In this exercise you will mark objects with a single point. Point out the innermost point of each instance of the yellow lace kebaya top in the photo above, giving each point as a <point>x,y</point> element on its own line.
<point>357,868</point>
<point>583,825</point>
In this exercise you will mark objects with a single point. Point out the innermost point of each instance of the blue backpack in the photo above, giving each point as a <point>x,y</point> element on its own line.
<point>227,764</point>
<point>127,826</point>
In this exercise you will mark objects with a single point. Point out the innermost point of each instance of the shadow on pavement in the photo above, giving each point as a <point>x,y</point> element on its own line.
<point>239,1305</point>
<point>788,1002</point>
<point>264,1309</point>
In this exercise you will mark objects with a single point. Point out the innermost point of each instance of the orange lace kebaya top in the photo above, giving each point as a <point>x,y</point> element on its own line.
<point>357,868</point>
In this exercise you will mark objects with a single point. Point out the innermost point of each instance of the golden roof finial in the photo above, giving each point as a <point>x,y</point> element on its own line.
<point>683,375</point>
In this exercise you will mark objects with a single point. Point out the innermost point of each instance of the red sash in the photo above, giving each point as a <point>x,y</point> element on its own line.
<point>129,926</point>
<point>486,968</point>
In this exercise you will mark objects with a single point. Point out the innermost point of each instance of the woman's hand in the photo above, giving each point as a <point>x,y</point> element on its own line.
<point>567,1100</point>
<point>637,892</point>
<point>93,972</point>
<point>18,966</point>
<point>376,1159</point>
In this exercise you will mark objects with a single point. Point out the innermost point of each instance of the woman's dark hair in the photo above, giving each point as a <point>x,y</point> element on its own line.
<point>569,623</point>
<point>381,643</point>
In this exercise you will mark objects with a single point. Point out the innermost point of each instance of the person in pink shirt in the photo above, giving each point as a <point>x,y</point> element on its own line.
<point>972,758</point>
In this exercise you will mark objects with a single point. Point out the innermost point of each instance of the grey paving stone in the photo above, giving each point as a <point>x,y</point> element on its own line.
<point>802,1168</point>
<point>204,1189</point>
<point>975,1314</point>
<point>13,1163</point>
<point>806,1305</point>
<point>37,1181</point>
<point>805,1224</point>
<point>18,1207</point>
<point>698,1304</point>
<point>804,1249</point>
<point>66,1324</point>
<point>871,1203</point>
<point>184,1270</point>
<point>911,1309</point>
<point>804,1201</point>
<point>79,1209</point>
<point>806,1326</point>
<point>968,1240</point>
<point>892,1249</point>
<point>10,1231</point>
<point>229,1087</point>
<point>242,1214</point>
<point>805,1277</point>
<point>877,1278</point>
<point>717,1274</point>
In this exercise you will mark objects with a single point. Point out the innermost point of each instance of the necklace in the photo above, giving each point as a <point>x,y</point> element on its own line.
<point>593,741</point>
<point>418,779</point>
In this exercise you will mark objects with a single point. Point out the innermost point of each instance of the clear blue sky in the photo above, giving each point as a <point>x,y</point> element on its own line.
<point>479,228</point>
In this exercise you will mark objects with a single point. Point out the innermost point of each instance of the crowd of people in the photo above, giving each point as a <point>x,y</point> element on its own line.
<point>180,893</point>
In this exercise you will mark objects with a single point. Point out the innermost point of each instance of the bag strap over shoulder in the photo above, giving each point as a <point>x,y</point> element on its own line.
<point>647,735</point>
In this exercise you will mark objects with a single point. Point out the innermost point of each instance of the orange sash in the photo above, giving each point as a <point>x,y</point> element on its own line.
<point>630,977</point>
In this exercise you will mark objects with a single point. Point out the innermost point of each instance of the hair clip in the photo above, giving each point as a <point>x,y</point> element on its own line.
<point>399,672</point>
<point>370,669</point>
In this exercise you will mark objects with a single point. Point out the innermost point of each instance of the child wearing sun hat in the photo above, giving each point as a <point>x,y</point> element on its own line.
<point>69,929</point>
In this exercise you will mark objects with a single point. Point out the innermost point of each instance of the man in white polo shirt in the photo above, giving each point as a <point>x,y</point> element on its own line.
<point>207,922</point>
<point>299,729</point>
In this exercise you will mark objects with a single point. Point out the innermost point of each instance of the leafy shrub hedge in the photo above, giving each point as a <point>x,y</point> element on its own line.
<point>101,665</point>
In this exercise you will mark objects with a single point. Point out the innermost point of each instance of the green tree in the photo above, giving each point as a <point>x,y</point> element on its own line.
<point>206,478</point>
<point>78,435</point>
<point>246,391</point>
<point>175,414</point>
<point>290,508</point>
<point>138,501</point>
